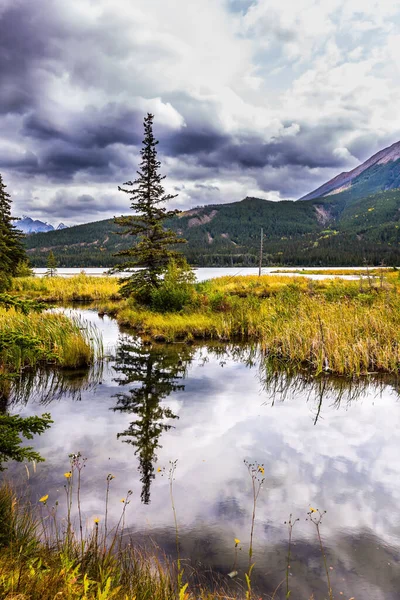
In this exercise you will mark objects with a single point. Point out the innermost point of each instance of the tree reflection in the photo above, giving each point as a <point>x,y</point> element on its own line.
<point>155,372</point>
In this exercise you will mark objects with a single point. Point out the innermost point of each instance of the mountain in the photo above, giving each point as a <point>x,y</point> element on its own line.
<point>28,225</point>
<point>378,173</point>
<point>351,219</point>
<point>327,231</point>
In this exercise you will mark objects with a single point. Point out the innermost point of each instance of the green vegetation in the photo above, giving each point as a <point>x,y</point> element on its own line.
<point>80,288</point>
<point>12,251</point>
<point>335,230</point>
<point>152,243</point>
<point>51,265</point>
<point>12,429</point>
<point>332,325</point>
<point>29,338</point>
<point>37,338</point>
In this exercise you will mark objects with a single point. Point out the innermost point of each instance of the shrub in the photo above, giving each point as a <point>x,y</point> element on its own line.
<point>176,290</point>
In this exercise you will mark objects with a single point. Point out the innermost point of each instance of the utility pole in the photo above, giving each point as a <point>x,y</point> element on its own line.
<point>261,252</point>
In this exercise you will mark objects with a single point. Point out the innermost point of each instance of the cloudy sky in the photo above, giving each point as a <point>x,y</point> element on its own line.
<point>251,97</point>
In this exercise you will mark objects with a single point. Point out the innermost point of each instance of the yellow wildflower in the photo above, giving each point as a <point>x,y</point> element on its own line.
<point>97,520</point>
<point>313,510</point>
<point>44,499</point>
<point>159,470</point>
<point>123,500</point>
<point>68,474</point>
<point>261,469</point>
<point>237,541</point>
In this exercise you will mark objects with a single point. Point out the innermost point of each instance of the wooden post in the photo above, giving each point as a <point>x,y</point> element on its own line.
<point>261,252</point>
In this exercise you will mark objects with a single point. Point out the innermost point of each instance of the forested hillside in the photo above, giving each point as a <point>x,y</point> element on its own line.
<point>334,230</point>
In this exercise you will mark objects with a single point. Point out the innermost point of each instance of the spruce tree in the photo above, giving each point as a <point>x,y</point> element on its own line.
<point>12,251</point>
<point>51,265</point>
<point>151,249</point>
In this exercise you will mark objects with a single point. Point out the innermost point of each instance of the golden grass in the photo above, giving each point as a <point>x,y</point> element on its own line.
<point>81,287</point>
<point>343,327</point>
<point>334,272</point>
<point>53,338</point>
<point>326,325</point>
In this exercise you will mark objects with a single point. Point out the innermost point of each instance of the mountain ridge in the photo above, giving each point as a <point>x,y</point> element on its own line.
<point>344,180</point>
<point>352,218</point>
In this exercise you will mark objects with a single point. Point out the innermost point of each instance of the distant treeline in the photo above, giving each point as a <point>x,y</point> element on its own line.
<point>332,231</point>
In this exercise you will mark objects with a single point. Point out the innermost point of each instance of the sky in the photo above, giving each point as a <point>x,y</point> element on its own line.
<point>260,98</point>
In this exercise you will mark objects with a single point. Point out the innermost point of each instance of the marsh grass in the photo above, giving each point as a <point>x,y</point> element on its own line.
<point>342,327</point>
<point>45,338</point>
<point>324,326</point>
<point>79,288</point>
<point>43,556</point>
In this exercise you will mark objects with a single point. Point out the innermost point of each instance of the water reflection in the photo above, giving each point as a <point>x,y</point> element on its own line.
<point>326,442</point>
<point>155,374</point>
<point>46,385</point>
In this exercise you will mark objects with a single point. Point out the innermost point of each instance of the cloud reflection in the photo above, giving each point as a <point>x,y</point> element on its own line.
<point>344,462</point>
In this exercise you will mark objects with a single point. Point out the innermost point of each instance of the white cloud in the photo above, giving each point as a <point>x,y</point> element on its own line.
<point>270,70</point>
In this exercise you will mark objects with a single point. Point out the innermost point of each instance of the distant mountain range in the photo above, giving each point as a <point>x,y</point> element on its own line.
<point>28,225</point>
<point>351,219</point>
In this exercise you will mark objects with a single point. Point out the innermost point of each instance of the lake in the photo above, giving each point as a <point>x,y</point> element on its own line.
<point>324,443</point>
<point>203,273</point>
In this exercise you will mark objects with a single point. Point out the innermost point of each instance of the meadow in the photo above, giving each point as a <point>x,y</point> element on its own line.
<point>332,325</point>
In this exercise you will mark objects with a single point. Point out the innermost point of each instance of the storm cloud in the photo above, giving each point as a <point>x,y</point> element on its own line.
<point>250,97</point>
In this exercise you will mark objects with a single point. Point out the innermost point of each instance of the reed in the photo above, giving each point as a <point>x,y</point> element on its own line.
<point>50,338</point>
<point>333,325</point>
<point>41,559</point>
<point>79,288</point>
<point>323,332</point>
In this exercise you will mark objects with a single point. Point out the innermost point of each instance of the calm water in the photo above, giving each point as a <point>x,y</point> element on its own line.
<point>322,445</point>
<point>202,273</point>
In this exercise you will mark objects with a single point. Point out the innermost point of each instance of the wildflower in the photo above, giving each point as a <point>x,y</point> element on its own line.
<point>312,510</point>
<point>97,520</point>
<point>123,500</point>
<point>68,474</point>
<point>159,470</point>
<point>237,541</point>
<point>261,469</point>
<point>44,499</point>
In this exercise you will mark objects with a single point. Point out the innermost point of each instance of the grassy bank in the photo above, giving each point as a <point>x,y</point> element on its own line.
<point>332,326</point>
<point>343,327</point>
<point>79,288</point>
<point>27,340</point>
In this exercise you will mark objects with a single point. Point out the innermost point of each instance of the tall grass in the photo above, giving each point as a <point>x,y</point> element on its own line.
<point>51,338</point>
<point>42,557</point>
<point>342,327</point>
<point>79,288</point>
<point>351,335</point>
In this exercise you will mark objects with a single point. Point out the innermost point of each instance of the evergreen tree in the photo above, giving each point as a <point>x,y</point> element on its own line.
<point>152,243</point>
<point>51,265</point>
<point>12,429</point>
<point>12,251</point>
